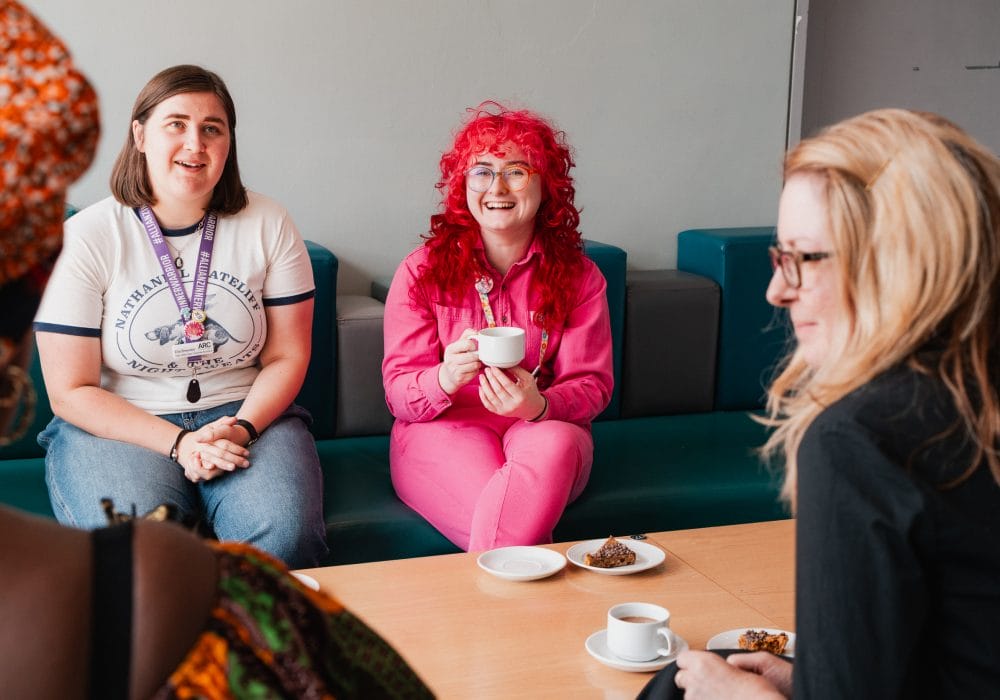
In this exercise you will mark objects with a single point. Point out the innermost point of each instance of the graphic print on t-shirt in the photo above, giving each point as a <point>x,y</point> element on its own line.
<point>174,333</point>
<point>148,325</point>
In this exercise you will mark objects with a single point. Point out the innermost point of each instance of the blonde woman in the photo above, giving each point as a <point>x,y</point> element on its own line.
<point>888,418</point>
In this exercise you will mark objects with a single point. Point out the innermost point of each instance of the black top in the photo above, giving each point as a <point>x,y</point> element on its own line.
<point>111,621</point>
<point>898,579</point>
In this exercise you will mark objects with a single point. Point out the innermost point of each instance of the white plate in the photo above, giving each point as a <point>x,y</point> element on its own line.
<point>597,645</point>
<point>730,639</point>
<point>646,556</point>
<point>307,580</point>
<point>521,563</point>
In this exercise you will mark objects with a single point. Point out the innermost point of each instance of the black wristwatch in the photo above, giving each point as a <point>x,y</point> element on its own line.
<point>251,431</point>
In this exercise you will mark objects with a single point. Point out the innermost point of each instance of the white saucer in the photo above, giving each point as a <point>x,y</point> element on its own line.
<point>309,581</point>
<point>597,645</point>
<point>730,639</point>
<point>521,563</point>
<point>646,556</point>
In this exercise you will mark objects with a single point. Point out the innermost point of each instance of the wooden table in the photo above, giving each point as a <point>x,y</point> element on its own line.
<point>469,634</point>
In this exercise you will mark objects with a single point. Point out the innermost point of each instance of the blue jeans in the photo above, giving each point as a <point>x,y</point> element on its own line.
<point>276,504</point>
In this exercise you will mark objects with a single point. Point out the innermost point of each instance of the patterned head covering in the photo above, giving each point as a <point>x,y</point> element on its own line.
<point>49,126</point>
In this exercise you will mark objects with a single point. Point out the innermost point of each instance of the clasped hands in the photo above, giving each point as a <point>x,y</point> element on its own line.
<point>213,450</point>
<point>514,395</point>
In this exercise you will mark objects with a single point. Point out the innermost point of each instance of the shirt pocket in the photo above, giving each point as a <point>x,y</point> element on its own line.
<point>455,313</point>
<point>452,320</point>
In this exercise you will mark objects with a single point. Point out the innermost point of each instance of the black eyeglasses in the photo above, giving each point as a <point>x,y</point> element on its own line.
<point>790,261</point>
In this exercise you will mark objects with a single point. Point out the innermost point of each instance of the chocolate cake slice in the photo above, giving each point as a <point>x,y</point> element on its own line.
<point>759,640</point>
<point>610,555</point>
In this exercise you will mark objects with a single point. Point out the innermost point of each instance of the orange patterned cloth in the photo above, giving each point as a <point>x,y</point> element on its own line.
<point>49,127</point>
<point>269,636</point>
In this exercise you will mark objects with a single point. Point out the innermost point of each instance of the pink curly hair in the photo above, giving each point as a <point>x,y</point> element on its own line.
<point>452,266</point>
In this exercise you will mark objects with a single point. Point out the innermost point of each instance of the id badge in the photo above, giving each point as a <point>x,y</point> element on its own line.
<point>198,348</point>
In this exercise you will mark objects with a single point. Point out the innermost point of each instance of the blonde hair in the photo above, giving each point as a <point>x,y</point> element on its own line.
<point>914,209</point>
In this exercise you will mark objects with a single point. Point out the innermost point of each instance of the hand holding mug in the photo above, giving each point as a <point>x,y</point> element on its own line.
<point>516,397</point>
<point>500,346</point>
<point>460,364</point>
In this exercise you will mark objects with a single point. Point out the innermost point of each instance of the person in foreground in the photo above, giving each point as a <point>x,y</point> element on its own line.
<point>491,457</point>
<point>888,415</point>
<point>148,610</point>
<point>49,128</point>
<point>174,336</point>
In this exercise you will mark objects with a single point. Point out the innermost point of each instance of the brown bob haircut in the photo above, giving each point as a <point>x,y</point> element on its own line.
<point>129,179</point>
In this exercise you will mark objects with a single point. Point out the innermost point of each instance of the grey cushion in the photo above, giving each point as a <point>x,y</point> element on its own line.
<point>671,333</point>
<point>380,288</point>
<point>361,407</point>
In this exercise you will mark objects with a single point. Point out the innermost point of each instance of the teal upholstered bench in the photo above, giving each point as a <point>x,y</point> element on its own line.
<point>677,461</point>
<point>649,474</point>
<point>752,334</point>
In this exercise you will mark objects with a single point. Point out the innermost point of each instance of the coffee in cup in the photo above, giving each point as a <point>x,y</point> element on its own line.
<point>637,618</point>
<point>502,346</point>
<point>640,632</point>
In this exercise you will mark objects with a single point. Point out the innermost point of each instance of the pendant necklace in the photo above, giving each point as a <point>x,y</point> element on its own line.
<point>179,252</point>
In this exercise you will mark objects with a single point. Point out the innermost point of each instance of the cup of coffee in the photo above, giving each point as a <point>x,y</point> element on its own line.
<point>640,632</point>
<point>502,346</point>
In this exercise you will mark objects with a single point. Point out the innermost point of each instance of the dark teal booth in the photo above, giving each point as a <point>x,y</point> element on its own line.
<point>753,335</point>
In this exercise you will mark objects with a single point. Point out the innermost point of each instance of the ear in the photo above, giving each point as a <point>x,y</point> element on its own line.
<point>138,134</point>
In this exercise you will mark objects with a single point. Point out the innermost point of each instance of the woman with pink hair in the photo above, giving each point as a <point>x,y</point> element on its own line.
<point>489,456</point>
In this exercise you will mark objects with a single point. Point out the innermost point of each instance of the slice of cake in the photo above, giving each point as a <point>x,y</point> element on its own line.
<point>759,640</point>
<point>610,555</point>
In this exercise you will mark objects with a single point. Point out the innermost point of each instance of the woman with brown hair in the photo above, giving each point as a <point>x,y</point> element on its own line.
<point>175,334</point>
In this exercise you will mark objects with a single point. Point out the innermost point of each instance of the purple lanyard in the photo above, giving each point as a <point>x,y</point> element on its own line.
<point>201,270</point>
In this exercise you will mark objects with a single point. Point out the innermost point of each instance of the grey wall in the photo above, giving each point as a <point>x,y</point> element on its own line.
<point>676,108</point>
<point>917,54</point>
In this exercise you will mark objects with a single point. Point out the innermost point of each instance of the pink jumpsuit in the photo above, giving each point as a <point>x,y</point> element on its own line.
<point>483,480</point>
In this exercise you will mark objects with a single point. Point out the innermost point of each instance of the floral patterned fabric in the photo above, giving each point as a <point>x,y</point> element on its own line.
<point>49,127</point>
<point>269,636</point>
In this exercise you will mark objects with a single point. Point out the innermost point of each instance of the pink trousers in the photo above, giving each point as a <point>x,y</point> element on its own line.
<point>486,481</point>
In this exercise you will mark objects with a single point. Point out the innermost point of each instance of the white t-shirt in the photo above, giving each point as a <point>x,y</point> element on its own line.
<point>108,283</point>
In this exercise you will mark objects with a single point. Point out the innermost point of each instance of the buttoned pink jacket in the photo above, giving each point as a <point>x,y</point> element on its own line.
<point>576,372</point>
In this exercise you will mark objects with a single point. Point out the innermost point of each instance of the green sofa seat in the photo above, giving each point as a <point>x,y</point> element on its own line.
<point>22,484</point>
<point>710,475</point>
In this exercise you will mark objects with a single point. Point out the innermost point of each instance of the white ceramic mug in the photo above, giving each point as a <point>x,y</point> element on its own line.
<point>502,346</point>
<point>640,632</point>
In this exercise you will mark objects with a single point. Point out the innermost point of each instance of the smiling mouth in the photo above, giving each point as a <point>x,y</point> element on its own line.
<point>189,166</point>
<point>499,205</point>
